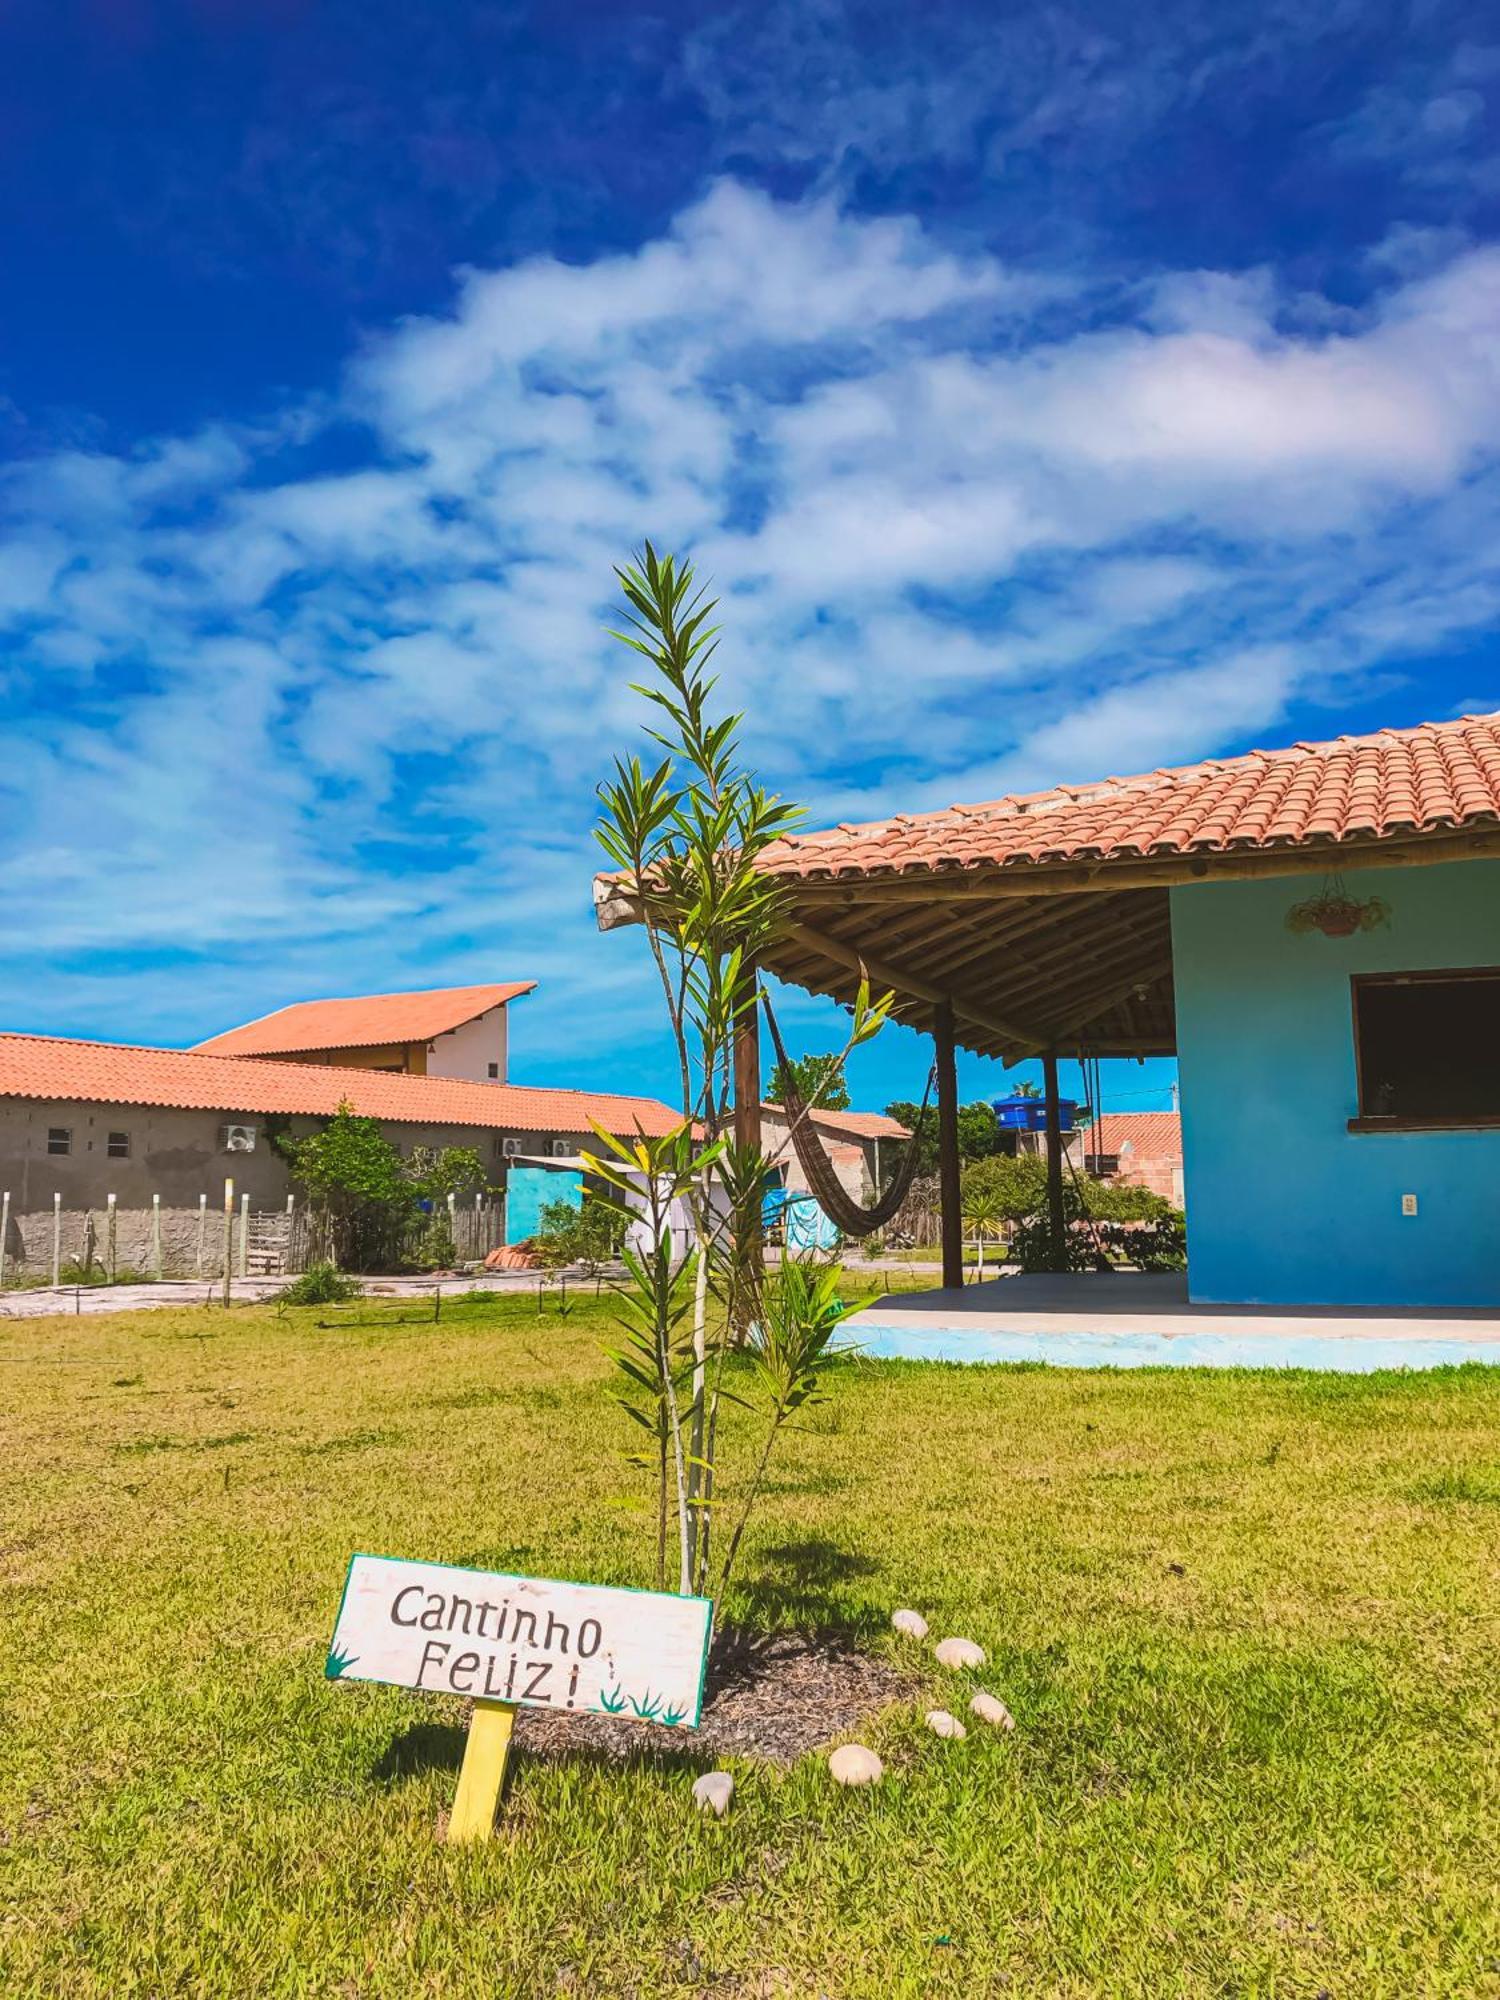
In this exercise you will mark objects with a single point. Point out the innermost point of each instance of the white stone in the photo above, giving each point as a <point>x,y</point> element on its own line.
<point>990,1708</point>
<point>910,1623</point>
<point>713,1791</point>
<point>853,1764</point>
<point>960,1653</point>
<point>941,1723</point>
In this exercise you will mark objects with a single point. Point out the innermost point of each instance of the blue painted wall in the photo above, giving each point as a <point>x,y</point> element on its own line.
<point>528,1187</point>
<point>1284,1204</point>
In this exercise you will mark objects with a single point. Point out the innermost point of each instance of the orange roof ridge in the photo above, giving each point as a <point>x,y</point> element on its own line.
<point>1430,778</point>
<point>363,1020</point>
<point>68,1069</point>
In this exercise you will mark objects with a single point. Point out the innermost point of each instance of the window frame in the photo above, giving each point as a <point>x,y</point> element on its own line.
<point>113,1152</point>
<point>65,1150</point>
<point>1365,1120</point>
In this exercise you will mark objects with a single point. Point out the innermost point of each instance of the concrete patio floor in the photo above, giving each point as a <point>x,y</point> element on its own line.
<point>1139,1319</point>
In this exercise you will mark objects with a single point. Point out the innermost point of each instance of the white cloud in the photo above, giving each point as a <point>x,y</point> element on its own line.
<point>344,727</point>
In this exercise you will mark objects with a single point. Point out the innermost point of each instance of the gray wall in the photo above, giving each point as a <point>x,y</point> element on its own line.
<point>178,1155</point>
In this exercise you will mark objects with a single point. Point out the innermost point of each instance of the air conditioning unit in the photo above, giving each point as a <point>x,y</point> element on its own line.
<point>237,1138</point>
<point>561,1148</point>
<point>510,1149</point>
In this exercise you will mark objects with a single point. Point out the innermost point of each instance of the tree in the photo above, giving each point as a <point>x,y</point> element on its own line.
<point>685,835</point>
<point>818,1080</point>
<point>1016,1184</point>
<point>978,1131</point>
<point>436,1172</point>
<point>354,1176</point>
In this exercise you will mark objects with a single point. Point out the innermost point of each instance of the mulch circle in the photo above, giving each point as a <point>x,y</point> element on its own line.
<point>771,1697</point>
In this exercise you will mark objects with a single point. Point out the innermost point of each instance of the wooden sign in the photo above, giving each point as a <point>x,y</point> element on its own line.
<point>511,1641</point>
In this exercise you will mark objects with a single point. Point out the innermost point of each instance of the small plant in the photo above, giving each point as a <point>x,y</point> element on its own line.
<point>320,1285</point>
<point>437,1251</point>
<point>686,837</point>
<point>1336,913</point>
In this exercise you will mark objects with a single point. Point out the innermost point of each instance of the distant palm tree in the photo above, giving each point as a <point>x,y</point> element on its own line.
<point>983,1215</point>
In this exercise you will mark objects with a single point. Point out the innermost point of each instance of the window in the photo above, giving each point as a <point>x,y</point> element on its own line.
<point>1102,1165</point>
<point>1427,1048</point>
<point>494,1070</point>
<point>117,1146</point>
<point>59,1139</point>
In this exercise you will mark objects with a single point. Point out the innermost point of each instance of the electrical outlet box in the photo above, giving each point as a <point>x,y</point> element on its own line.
<point>1408,1204</point>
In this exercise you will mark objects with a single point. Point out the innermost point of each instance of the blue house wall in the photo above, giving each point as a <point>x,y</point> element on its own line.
<point>1285,1205</point>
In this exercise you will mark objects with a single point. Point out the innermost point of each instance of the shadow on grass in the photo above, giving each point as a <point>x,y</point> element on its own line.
<point>426,1746</point>
<point>806,1585</point>
<point>542,1739</point>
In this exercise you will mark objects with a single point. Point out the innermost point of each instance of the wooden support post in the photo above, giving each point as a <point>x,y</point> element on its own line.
<point>747,1131</point>
<point>950,1193</point>
<point>1056,1221</point>
<point>483,1771</point>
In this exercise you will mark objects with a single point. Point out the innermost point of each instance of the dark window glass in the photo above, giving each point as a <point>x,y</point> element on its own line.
<point>118,1146</point>
<point>1428,1045</point>
<point>59,1139</point>
<point>494,1069</point>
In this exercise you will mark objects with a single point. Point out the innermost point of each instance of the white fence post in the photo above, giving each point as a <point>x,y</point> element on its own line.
<point>228,1235</point>
<point>244,1234</point>
<point>112,1244</point>
<point>156,1237</point>
<point>56,1241</point>
<point>4,1230</point>
<point>202,1231</point>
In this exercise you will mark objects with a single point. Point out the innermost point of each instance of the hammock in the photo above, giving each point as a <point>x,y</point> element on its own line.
<point>833,1197</point>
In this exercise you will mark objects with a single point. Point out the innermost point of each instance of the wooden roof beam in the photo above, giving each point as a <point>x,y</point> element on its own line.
<point>880,973</point>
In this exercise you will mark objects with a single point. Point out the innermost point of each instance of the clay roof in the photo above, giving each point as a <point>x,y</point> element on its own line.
<point>367,1021</point>
<point>1398,783</point>
<point>1148,1135</point>
<point>859,1124</point>
<point>62,1071</point>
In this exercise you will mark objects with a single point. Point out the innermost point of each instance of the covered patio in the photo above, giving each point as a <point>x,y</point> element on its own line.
<point>1064,923</point>
<point>1314,932</point>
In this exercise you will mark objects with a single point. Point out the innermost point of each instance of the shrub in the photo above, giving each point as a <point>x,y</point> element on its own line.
<point>436,1250</point>
<point>590,1236</point>
<point>320,1285</point>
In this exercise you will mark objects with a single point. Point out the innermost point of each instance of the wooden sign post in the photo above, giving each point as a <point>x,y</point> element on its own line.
<point>518,1641</point>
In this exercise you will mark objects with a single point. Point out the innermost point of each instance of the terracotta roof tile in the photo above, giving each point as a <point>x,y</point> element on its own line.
<point>1149,1135</point>
<point>1395,783</point>
<point>365,1022</point>
<point>59,1071</point>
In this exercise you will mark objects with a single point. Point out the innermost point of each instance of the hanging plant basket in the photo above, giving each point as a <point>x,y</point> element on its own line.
<point>1336,913</point>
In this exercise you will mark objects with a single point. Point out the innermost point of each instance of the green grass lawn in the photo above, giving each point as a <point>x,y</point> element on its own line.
<point>1246,1624</point>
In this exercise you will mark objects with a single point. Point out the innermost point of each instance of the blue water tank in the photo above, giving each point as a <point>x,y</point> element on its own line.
<point>1029,1114</point>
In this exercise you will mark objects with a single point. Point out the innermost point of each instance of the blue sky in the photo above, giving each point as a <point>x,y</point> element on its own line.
<point>1049,392</point>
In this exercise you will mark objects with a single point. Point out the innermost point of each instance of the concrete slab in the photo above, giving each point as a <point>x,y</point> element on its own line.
<point>1145,1319</point>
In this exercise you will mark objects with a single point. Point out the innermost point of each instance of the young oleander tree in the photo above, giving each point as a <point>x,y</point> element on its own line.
<point>686,831</point>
